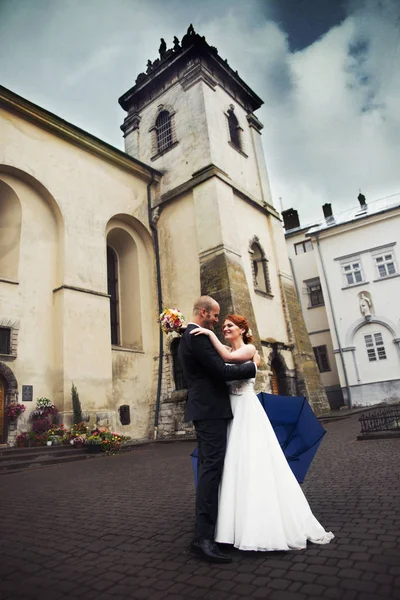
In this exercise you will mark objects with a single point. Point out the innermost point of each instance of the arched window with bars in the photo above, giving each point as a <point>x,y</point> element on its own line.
<point>259,268</point>
<point>234,129</point>
<point>164,131</point>
<point>112,290</point>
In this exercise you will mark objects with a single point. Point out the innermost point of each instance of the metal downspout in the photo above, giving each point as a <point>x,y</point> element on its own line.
<point>160,304</point>
<point>335,324</point>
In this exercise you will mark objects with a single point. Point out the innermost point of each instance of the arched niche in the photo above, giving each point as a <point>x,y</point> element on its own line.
<point>131,285</point>
<point>25,201</point>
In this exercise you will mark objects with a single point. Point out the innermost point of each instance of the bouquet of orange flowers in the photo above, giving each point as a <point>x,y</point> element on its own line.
<point>171,319</point>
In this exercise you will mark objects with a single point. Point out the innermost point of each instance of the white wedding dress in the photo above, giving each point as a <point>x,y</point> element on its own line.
<point>261,505</point>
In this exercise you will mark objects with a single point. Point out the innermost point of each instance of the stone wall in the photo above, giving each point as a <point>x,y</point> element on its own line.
<point>308,378</point>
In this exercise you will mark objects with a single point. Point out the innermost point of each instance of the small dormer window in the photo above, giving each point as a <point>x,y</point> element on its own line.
<point>163,131</point>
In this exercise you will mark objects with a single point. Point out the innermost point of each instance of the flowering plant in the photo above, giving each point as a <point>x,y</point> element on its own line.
<point>14,410</point>
<point>171,319</point>
<point>44,408</point>
<point>79,429</point>
<point>22,440</point>
<point>78,440</point>
<point>41,426</point>
<point>109,440</point>
<point>55,431</point>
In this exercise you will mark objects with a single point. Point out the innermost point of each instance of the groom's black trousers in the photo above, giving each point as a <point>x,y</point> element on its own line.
<point>211,440</point>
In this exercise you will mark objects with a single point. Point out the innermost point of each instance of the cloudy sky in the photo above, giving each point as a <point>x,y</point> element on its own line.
<point>328,71</point>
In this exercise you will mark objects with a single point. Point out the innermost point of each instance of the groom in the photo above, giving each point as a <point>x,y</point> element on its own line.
<point>209,408</point>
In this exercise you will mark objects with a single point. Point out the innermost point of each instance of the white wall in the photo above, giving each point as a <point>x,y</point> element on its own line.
<point>359,239</point>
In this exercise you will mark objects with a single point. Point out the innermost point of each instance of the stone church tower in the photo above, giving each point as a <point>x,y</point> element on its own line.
<point>191,117</point>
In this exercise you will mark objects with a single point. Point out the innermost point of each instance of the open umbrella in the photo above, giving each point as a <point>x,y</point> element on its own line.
<point>297,428</point>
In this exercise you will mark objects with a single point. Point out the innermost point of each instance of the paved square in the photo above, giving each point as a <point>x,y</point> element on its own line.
<point>119,527</point>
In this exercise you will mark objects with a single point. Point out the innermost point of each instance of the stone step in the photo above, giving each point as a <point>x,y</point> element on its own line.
<point>32,453</point>
<point>11,466</point>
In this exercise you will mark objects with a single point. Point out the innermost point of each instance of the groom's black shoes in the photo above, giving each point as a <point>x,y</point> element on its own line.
<point>209,551</point>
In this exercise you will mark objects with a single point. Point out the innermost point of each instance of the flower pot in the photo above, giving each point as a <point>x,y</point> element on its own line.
<point>49,443</point>
<point>94,448</point>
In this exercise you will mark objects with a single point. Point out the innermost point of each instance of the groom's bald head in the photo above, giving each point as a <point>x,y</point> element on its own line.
<point>206,312</point>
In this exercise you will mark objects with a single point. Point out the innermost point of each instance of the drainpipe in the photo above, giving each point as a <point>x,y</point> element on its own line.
<point>294,279</point>
<point>334,323</point>
<point>160,304</point>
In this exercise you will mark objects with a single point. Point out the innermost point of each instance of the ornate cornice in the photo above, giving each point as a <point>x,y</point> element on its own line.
<point>213,171</point>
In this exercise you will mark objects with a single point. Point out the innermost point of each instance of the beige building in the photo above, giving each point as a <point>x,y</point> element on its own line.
<point>94,242</point>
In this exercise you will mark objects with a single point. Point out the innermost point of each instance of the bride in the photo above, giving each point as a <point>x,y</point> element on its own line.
<point>261,504</point>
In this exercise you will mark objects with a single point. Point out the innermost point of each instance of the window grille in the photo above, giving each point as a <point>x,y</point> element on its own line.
<point>163,131</point>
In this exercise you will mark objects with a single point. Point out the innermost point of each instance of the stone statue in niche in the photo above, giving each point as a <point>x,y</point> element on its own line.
<point>365,306</point>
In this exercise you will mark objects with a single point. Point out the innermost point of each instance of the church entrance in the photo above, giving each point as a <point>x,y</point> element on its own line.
<point>278,378</point>
<point>2,415</point>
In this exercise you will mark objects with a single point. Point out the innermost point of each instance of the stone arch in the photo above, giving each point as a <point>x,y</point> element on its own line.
<point>278,368</point>
<point>356,325</point>
<point>11,382</point>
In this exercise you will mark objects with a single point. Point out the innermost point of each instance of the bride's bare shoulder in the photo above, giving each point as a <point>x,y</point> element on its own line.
<point>228,348</point>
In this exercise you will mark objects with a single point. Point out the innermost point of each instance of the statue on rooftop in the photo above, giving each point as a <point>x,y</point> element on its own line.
<point>177,46</point>
<point>162,49</point>
<point>149,66</point>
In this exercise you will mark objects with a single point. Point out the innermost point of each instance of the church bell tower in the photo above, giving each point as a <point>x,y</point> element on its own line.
<point>191,117</point>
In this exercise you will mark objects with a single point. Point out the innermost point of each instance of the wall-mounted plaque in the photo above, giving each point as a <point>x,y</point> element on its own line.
<point>27,393</point>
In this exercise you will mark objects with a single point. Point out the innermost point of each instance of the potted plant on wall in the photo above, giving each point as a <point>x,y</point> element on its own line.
<point>93,442</point>
<point>14,410</point>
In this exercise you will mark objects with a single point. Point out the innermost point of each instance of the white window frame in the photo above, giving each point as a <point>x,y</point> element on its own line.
<point>375,346</point>
<point>344,265</point>
<point>383,262</point>
<point>306,245</point>
<point>310,283</point>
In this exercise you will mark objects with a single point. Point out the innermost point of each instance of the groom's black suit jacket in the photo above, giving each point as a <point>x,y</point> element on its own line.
<point>206,373</point>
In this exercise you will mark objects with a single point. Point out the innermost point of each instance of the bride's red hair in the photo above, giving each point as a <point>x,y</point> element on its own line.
<point>243,323</point>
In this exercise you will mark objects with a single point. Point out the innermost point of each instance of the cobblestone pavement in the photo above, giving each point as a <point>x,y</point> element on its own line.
<point>119,527</point>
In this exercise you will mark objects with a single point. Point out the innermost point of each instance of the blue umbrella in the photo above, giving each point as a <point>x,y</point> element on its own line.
<point>297,428</point>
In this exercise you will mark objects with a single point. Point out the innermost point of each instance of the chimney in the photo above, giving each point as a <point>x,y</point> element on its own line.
<point>361,199</point>
<point>327,208</point>
<point>290,218</point>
